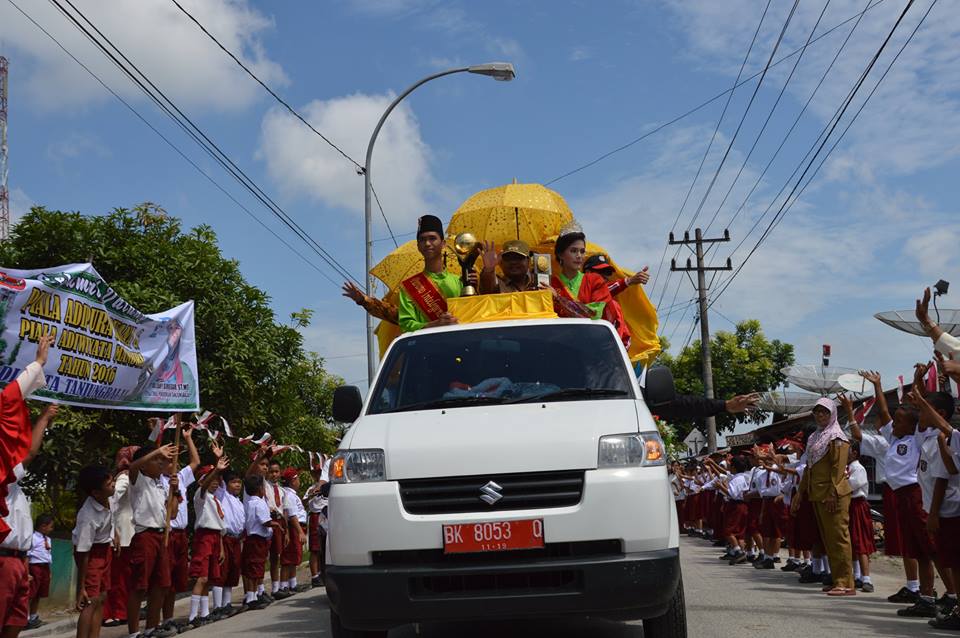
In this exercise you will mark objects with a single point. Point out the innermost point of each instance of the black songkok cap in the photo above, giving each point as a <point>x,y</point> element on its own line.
<point>429,224</point>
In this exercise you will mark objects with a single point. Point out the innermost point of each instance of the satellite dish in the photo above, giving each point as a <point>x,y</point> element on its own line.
<point>785,402</point>
<point>855,383</point>
<point>820,379</point>
<point>906,321</point>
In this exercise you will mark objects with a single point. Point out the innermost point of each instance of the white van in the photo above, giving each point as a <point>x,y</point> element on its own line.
<point>502,470</point>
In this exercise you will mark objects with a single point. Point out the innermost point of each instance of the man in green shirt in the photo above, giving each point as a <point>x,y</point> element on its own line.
<point>423,297</point>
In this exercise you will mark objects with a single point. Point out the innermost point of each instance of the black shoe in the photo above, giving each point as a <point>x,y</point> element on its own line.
<point>867,588</point>
<point>227,611</point>
<point>737,559</point>
<point>904,596</point>
<point>282,594</point>
<point>299,589</point>
<point>255,605</point>
<point>810,577</point>
<point>946,622</point>
<point>728,555</point>
<point>921,609</point>
<point>317,581</point>
<point>791,566</point>
<point>752,558</point>
<point>945,605</point>
<point>776,559</point>
<point>758,564</point>
<point>33,623</point>
<point>267,596</point>
<point>827,580</point>
<point>768,564</point>
<point>857,584</point>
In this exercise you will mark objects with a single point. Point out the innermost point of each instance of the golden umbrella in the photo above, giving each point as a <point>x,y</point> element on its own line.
<point>406,261</point>
<point>531,212</point>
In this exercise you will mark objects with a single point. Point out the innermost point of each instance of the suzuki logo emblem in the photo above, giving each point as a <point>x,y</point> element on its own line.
<point>490,493</point>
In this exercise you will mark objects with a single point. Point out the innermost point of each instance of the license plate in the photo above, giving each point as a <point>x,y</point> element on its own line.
<point>493,536</point>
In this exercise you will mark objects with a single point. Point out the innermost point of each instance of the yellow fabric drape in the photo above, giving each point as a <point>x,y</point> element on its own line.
<point>536,304</point>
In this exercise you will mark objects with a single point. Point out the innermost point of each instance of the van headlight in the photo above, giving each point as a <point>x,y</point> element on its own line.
<point>357,466</point>
<point>631,450</point>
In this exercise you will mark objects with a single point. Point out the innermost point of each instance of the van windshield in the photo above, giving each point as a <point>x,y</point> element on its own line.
<point>560,362</point>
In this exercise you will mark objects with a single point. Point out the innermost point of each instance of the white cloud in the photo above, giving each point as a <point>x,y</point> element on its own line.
<point>338,337</point>
<point>580,53</point>
<point>911,123</point>
<point>20,204</point>
<point>935,251</point>
<point>76,145</point>
<point>154,35</point>
<point>302,164</point>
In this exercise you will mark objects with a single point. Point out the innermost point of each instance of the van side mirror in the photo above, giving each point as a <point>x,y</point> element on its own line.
<point>659,388</point>
<point>347,404</point>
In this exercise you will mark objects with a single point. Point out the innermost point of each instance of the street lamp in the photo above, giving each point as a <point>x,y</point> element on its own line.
<point>501,71</point>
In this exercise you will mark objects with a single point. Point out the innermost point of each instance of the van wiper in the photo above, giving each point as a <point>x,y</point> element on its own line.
<point>571,393</point>
<point>450,402</point>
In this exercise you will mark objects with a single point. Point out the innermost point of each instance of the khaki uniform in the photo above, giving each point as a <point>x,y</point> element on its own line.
<point>823,481</point>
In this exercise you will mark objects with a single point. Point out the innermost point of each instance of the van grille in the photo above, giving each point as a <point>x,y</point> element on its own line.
<point>461,494</point>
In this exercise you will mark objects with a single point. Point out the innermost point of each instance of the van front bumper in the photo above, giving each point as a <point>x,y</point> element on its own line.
<point>628,586</point>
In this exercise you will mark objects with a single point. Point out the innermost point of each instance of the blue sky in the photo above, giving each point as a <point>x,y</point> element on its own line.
<point>877,224</point>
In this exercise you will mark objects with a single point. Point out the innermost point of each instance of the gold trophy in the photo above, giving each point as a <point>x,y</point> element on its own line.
<point>467,249</point>
<point>542,267</point>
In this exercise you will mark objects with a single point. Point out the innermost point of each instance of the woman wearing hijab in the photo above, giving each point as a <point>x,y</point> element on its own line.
<point>825,485</point>
<point>582,294</point>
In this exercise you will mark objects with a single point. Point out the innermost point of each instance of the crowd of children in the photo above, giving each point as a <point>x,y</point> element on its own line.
<point>808,492</point>
<point>135,540</point>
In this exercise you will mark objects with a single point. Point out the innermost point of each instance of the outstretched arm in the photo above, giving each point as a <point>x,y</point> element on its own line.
<point>38,431</point>
<point>855,430</point>
<point>883,410</point>
<point>165,451</point>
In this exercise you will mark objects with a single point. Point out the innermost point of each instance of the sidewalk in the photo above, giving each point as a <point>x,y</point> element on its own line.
<point>63,623</point>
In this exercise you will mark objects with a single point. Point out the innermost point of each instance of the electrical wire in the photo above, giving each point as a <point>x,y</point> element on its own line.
<point>796,121</point>
<point>360,169</point>
<point>700,106</point>
<point>763,128</point>
<point>703,160</point>
<point>172,145</point>
<point>188,126</point>
<point>788,203</point>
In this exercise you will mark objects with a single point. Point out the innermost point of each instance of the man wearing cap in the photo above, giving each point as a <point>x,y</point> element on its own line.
<point>423,297</point>
<point>601,265</point>
<point>514,262</point>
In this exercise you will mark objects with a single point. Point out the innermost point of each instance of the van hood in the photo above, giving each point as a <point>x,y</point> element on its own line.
<point>495,439</point>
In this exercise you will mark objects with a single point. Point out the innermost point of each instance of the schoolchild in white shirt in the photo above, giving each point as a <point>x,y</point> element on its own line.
<point>40,557</point>
<point>208,532</point>
<point>260,527</point>
<point>229,493</point>
<point>296,516</point>
<point>317,520</point>
<point>93,545</point>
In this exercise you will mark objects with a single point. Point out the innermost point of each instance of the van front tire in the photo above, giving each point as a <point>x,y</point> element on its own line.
<point>337,630</point>
<point>672,624</point>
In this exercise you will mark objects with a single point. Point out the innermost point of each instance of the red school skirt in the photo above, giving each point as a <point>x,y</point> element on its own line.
<point>861,527</point>
<point>754,507</point>
<point>735,515</point>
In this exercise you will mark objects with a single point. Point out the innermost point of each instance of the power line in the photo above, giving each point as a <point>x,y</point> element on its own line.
<point>733,139</point>
<point>197,134</point>
<point>359,167</point>
<point>702,105</point>
<point>787,204</point>
<point>763,128</point>
<point>172,145</point>
<point>793,126</point>
<point>703,159</point>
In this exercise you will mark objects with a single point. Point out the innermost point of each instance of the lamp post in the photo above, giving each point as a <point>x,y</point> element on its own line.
<point>502,71</point>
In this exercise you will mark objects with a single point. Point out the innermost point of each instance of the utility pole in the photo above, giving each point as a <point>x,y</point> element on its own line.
<point>701,271</point>
<point>4,192</point>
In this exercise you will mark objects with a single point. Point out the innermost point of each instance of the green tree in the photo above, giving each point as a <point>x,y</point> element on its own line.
<point>253,369</point>
<point>744,361</point>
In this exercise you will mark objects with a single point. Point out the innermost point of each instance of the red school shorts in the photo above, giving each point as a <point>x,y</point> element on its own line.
<point>314,531</point>
<point>205,559</point>
<point>149,564</point>
<point>40,585</point>
<point>178,549</point>
<point>774,519</point>
<point>254,556</point>
<point>861,527</point>
<point>891,528</point>
<point>735,519</point>
<point>806,532</point>
<point>14,592</point>
<point>229,575</point>
<point>293,551</point>
<point>915,541</point>
<point>948,542</point>
<point>99,561</point>
<point>754,506</point>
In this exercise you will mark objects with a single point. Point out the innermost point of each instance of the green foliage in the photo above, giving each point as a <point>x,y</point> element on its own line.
<point>253,369</point>
<point>744,361</point>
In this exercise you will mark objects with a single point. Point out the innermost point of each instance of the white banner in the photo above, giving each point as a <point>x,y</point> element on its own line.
<point>106,353</point>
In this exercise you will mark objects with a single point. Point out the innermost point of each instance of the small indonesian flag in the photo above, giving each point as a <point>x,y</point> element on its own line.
<point>860,414</point>
<point>157,432</point>
<point>932,378</point>
<point>247,440</point>
<point>226,428</point>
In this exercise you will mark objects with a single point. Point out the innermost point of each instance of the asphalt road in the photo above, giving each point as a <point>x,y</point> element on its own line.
<point>722,602</point>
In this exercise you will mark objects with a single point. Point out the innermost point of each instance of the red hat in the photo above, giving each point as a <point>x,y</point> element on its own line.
<point>289,474</point>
